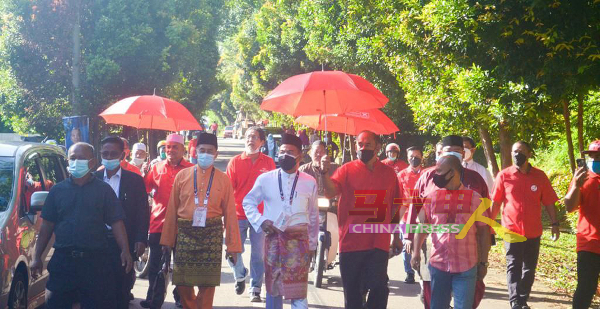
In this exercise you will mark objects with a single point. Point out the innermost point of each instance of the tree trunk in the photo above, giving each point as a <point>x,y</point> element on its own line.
<point>580,98</point>
<point>76,67</point>
<point>353,148</point>
<point>567,118</point>
<point>505,145</point>
<point>488,149</point>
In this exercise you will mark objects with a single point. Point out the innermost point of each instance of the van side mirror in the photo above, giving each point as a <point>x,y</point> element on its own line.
<point>37,201</point>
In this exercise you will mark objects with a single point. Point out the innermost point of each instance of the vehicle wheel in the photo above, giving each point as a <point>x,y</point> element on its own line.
<point>17,299</point>
<point>320,264</point>
<point>141,265</point>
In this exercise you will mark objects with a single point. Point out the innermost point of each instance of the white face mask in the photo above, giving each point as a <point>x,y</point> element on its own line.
<point>452,153</point>
<point>392,156</point>
<point>138,161</point>
<point>468,154</point>
<point>250,151</point>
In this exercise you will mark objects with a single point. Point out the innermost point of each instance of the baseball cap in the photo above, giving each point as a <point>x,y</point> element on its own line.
<point>594,147</point>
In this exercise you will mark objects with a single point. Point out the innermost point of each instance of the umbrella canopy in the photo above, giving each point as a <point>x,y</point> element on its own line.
<point>352,123</point>
<point>323,92</point>
<point>151,112</point>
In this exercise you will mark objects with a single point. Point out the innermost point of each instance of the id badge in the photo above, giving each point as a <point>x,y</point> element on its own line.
<point>282,222</point>
<point>199,219</point>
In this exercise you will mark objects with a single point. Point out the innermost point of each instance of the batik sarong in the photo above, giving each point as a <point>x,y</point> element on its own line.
<point>198,253</point>
<point>287,263</point>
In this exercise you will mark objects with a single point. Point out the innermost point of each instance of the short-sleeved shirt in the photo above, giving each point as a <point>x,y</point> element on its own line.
<point>80,213</point>
<point>588,226</point>
<point>398,165</point>
<point>354,176</point>
<point>523,196</point>
<point>243,173</point>
<point>407,178</point>
<point>192,148</point>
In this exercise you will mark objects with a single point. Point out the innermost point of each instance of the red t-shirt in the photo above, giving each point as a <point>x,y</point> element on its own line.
<point>243,174</point>
<point>192,148</point>
<point>407,179</point>
<point>397,165</point>
<point>523,196</point>
<point>160,179</point>
<point>588,227</point>
<point>354,176</point>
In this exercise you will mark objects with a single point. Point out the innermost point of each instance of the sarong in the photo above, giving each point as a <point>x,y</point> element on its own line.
<point>198,254</point>
<point>287,263</point>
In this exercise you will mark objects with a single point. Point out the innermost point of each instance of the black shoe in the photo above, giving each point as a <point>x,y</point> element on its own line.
<point>255,297</point>
<point>145,304</point>
<point>515,305</point>
<point>525,306</point>
<point>240,286</point>
<point>410,279</point>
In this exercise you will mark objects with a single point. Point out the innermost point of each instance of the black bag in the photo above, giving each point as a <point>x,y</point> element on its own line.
<point>160,285</point>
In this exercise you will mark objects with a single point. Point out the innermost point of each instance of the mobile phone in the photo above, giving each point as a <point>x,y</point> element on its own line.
<point>581,163</point>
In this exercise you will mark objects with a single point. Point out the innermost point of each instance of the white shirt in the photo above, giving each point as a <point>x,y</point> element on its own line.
<point>484,172</point>
<point>304,209</point>
<point>114,181</point>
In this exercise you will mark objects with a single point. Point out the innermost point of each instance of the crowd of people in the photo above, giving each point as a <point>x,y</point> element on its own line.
<point>102,221</point>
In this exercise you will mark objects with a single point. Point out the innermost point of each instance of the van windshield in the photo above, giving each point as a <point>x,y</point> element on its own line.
<point>7,165</point>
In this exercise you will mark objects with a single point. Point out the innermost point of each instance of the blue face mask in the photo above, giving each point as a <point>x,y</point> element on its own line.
<point>111,164</point>
<point>453,153</point>
<point>205,160</point>
<point>78,168</point>
<point>594,166</point>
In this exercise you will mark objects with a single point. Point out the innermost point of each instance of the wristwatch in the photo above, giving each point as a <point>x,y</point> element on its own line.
<point>486,264</point>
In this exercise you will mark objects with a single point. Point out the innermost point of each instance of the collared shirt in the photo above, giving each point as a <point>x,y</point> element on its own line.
<point>79,213</point>
<point>192,148</point>
<point>444,206</point>
<point>313,170</point>
<point>304,209</point>
<point>588,226</point>
<point>243,174</point>
<point>484,172</point>
<point>523,196</point>
<point>398,164</point>
<point>114,181</point>
<point>354,176</point>
<point>160,180</point>
<point>407,178</point>
<point>220,204</point>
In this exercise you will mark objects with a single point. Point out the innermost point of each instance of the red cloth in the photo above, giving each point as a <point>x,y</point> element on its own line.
<point>479,292</point>
<point>192,148</point>
<point>397,165</point>
<point>588,227</point>
<point>407,179</point>
<point>354,176</point>
<point>160,179</point>
<point>523,196</point>
<point>243,174</point>
<point>427,294</point>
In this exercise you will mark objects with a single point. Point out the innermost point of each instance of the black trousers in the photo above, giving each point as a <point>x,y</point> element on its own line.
<point>521,262</point>
<point>86,279</point>
<point>155,265</point>
<point>123,281</point>
<point>365,271</point>
<point>588,270</point>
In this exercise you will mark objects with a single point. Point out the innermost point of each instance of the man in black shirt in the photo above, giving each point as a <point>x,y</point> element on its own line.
<point>77,211</point>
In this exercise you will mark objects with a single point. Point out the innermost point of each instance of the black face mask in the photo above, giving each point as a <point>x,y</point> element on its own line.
<point>365,155</point>
<point>519,159</point>
<point>414,162</point>
<point>440,180</point>
<point>287,162</point>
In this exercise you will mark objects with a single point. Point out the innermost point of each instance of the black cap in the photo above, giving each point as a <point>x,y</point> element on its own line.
<point>452,140</point>
<point>291,139</point>
<point>207,139</point>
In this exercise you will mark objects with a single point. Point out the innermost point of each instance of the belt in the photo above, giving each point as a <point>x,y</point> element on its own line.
<point>79,253</point>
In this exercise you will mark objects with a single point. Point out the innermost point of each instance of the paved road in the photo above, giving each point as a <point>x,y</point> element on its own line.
<point>401,295</point>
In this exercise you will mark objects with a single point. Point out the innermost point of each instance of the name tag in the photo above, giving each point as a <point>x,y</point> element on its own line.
<point>282,222</point>
<point>199,219</point>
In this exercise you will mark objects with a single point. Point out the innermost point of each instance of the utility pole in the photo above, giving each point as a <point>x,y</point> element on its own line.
<point>76,67</point>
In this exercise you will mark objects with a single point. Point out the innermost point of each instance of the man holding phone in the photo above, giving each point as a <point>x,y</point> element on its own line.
<point>316,168</point>
<point>584,195</point>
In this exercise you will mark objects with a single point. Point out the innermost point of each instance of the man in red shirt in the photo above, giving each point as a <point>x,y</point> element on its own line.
<point>243,170</point>
<point>392,151</point>
<point>523,189</point>
<point>584,195</point>
<point>192,148</point>
<point>159,182</point>
<point>407,178</point>
<point>364,257</point>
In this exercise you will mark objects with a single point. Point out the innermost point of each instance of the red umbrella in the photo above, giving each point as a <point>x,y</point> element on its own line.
<point>151,112</point>
<point>352,123</point>
<point>323,92</point>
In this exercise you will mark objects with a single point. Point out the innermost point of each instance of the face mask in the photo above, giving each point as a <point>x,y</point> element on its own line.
<point>468,154</point>
<point>205,160</point>
<point>452,153</point>
<point>78,168</point>
<point>287,162</point>
<point>251,151</point>
<point>392,157</point>
<point>365,155</point>
<point>138,161</point>
<point>519,159</point>
<point>414,162</point>
<point>111,164</point>
<point>440,180</point>
<point>594,166</point>
<point>163,155</point>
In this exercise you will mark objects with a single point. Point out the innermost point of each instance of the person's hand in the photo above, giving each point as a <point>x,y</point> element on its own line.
<point>126,261</point>
<point>145,168</point>
<point>555,232</point>
<point>140,247</point>
<point>267,227</point>
<point>325,163</point>
<point>36,267</point>
<point>408,246</point>
<point>415,260</point>
<point>481,271</point>
<point>581,175</point>
<point>397,244</point>
<point>234,256</point>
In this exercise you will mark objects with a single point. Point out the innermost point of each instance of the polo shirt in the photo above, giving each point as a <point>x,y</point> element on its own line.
<point>588,226</point>
<point>354,176</point>
<point>397,165</point>
<point>523,196</point>
<point>243,173</point>
<point>80,213</point>
<point>407,178</point>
